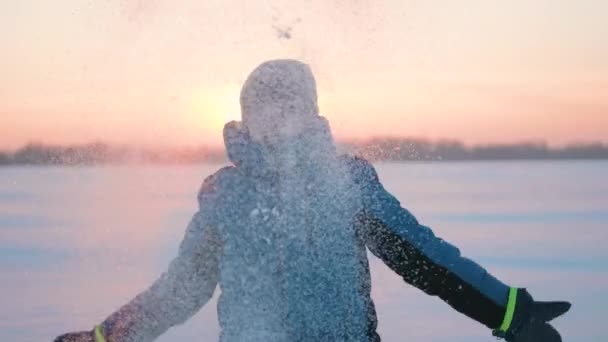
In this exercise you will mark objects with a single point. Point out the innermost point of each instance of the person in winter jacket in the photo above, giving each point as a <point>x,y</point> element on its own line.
<point>284,233</point>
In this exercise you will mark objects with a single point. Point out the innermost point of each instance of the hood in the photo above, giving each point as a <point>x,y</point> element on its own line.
<point>304,151</point>
<point>276,94</point>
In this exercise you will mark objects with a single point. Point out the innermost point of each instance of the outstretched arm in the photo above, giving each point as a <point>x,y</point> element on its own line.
<point>178,294</point>
<point>435,266</point>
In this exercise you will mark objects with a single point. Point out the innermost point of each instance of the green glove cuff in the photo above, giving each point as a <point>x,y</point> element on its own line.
<point>99,335</point>
<point>508,319</point>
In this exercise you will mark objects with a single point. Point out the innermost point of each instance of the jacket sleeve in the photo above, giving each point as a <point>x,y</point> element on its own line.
<point>181,291</point>
<point>423,260</point>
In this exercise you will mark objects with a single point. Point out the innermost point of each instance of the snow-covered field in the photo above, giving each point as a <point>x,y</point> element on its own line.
<point>75,243</point>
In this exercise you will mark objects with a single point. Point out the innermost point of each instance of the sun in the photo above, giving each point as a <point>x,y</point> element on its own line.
<point>213,107</point>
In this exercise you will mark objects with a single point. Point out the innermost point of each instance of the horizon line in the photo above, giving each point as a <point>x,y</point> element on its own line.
<point>340,141</point>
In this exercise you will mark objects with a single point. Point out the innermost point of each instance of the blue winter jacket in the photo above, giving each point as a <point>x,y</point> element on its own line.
<point>291,258</point>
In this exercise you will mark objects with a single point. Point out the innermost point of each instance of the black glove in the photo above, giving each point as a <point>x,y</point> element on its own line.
<point>529,323</point>
<point>83,336</point>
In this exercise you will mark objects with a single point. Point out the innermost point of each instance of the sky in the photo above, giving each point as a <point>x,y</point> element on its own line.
<point>168,73</point>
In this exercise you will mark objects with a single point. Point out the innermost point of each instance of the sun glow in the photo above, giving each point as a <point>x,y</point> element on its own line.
<point>212,108</point>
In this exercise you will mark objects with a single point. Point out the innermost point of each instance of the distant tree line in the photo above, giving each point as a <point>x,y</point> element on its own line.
<point>399,149</point>
<point>100,153</point>
<point>381,149</point>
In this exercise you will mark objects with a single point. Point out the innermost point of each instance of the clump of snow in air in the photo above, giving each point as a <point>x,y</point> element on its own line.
<point>303,215</point>
<point>275,232</point>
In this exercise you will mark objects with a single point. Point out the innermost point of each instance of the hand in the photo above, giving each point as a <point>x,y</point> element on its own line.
<point>530,320</point>
<point>83,336</point>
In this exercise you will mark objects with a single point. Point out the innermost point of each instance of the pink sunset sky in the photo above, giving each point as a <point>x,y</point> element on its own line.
<point>168,73</point>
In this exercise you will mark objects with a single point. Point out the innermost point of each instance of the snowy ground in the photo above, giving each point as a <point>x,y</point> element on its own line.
<point>75,243</point>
